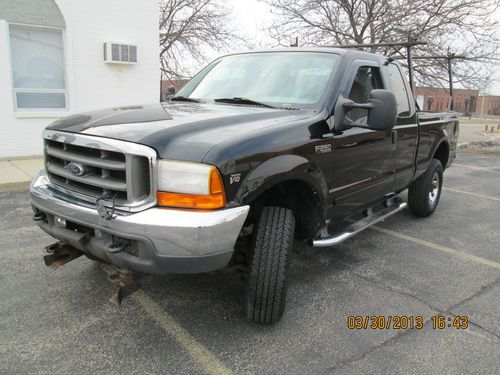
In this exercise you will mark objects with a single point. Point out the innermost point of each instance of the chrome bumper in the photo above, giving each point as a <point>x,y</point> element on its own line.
<point>160,240</point>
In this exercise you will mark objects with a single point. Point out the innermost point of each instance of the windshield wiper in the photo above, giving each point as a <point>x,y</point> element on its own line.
<point>184,99</point>
<point>237,100</point>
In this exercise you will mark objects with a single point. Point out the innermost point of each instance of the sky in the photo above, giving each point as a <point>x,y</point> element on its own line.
<point>252,17</point>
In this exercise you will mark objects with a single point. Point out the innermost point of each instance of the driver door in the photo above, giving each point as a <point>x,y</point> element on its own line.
<point>362,161</point>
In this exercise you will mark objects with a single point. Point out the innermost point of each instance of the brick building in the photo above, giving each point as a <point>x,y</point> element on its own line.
<point>436,99</point>
<point>176,83</point>
<point>490,106</point>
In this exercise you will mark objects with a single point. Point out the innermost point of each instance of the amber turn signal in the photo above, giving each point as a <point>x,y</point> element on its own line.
<point>215,198</point>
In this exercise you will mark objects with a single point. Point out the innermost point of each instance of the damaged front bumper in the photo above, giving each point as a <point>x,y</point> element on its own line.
<point>153,241</point>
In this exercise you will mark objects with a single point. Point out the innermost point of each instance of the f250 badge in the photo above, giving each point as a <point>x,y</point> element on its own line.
<point>234,178</point>
<point>322,149</point>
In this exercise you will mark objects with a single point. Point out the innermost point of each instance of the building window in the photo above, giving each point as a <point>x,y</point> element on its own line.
<point>38,74</point>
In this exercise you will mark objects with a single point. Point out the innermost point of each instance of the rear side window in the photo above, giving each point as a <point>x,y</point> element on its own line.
<point>367,79</point>
<point>399,89</point>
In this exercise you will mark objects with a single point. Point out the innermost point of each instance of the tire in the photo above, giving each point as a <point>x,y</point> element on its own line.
<point>424,192</point>
<point>267,281</point>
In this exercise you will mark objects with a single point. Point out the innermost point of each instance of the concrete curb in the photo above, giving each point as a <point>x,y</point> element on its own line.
<point>17,173</point>
<point>474,150</point>
<point>14,186</point>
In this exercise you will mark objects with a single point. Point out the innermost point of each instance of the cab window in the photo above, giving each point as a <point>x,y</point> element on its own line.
<point>399,89</point>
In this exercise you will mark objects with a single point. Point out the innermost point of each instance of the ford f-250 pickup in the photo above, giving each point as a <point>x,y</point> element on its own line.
<point>269,146</point>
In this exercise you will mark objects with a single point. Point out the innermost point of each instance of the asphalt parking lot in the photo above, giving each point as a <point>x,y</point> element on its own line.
<point>55,322</point>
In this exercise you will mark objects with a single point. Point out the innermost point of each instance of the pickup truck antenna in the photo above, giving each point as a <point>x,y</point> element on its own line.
<point>449,57</point>
<point>409,58</point>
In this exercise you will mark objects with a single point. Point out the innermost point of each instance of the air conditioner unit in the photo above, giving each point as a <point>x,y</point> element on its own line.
<point>116,53</point>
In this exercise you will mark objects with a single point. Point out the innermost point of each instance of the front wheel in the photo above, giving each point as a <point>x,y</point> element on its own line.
<point>424,192</point>
<point>267,281</point>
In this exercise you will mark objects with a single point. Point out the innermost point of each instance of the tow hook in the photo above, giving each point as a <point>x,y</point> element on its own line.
<point>118,246</point>
<point>59,254</point>
<point>39,216</point>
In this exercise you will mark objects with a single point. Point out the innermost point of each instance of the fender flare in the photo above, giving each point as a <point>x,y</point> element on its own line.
<point>422,166</point>
<point>442,141</point>
<point>280,169</point>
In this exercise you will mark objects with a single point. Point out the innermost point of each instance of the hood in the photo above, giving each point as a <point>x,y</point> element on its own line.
<point>182,131</point>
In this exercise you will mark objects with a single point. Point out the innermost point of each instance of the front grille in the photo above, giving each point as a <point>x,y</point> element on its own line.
<point>98,172</point>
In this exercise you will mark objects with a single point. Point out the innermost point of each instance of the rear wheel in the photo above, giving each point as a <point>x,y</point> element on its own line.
<point>424,192</point>
<point>267,282</point>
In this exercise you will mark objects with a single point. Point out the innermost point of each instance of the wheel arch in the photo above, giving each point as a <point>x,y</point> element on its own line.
<point>297,195</point>
<point>442,152</point>
<point>290,181</point>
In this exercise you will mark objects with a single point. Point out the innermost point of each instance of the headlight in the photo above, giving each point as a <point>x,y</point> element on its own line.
<point>189,185</point>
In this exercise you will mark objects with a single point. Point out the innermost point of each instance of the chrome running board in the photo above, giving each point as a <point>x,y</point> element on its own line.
<point>395,205</point>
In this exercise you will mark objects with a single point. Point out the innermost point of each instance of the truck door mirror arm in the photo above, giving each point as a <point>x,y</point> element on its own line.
<point>349,104</point>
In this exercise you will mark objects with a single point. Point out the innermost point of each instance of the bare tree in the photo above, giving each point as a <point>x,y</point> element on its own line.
<point>188,28</point>
<point>464,27</point>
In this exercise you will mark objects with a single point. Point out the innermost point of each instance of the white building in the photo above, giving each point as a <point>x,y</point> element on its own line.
<point>52,63</point>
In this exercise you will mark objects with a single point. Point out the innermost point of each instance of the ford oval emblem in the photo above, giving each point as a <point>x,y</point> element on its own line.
<point>76,169</point>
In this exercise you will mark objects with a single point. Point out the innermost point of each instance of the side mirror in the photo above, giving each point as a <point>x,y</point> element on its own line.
<point>382,111</point>
<point>170,91</point>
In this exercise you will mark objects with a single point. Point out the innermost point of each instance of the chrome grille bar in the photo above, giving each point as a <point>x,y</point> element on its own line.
<point>94,162</point>
<point>104,182</point>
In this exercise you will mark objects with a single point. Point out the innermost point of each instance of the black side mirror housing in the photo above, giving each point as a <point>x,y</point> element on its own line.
<point>382,111</point>
<point>170,91</point>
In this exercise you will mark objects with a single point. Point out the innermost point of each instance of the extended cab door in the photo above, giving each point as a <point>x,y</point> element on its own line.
<point>405,133</point>
<point>362,159</point>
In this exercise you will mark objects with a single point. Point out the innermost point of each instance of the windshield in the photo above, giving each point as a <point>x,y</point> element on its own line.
<point>279,79</point>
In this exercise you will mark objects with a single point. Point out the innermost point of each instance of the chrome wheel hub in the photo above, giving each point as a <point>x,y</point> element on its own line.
<point>434,189</point>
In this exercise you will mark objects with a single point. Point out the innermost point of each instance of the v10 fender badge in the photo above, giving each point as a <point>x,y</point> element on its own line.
<point>322,149</point>
<point>234,178</point>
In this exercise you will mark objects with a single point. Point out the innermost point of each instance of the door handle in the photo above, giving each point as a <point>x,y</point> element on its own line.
<point>394,139</point>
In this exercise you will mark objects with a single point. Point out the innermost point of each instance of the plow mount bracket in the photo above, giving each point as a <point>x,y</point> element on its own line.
<point>124,282</point>
<point>59,254</point>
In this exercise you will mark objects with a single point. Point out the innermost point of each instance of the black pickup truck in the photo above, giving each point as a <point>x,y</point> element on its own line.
<point>259,147</point>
